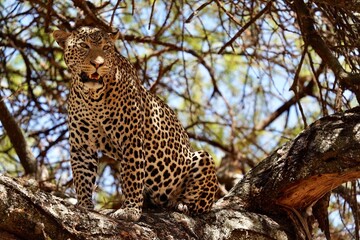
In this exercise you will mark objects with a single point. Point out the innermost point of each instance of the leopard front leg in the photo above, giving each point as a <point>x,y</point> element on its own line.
<point>84,169</point>
<point>132,176</point>
<point>201,185</point>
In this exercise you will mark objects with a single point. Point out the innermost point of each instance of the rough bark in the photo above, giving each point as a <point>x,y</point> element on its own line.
<point>269,203</point>
<point>29,213</point>
<point>297,174</point>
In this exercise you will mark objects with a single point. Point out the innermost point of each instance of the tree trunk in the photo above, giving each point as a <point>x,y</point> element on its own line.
<point>271,202</point>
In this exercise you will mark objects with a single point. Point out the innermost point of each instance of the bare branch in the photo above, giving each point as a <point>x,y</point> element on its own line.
<point>256,17</point>
<point>17,139</point>
<point>315,40</point>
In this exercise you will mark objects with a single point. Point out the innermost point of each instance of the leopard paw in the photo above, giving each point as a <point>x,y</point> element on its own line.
<point>182,207</point>
<point>128,214</point>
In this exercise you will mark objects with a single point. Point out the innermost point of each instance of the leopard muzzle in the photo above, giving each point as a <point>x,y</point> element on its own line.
<point>93,78</point>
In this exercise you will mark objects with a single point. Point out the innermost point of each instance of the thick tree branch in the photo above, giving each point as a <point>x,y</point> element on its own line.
<point>299,173</point>
<point>48,216</point>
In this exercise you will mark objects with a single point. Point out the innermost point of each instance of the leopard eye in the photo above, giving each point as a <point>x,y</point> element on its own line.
<point>84,45</point>
<point>106,47</point>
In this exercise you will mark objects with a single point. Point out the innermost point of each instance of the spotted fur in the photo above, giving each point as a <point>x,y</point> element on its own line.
<point>110,111</point>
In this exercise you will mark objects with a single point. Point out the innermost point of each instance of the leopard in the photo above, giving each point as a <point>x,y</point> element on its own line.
<point>110,112</point>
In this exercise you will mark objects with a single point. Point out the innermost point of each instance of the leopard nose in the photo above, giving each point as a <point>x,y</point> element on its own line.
<point>97,62</point>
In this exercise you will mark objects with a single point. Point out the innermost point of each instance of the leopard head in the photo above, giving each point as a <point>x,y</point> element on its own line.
<point>89,53</point>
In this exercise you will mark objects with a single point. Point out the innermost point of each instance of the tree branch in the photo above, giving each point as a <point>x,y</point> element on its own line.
<point>17,139</point>
<point>313,38</point>
<point>47,216</point>
<point>246,26</point>
<point>299,173</point>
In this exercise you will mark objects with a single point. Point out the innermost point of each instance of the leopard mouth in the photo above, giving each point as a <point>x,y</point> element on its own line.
<point>93,78</point>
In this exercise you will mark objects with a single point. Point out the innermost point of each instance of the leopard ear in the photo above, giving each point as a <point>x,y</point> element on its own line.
<point>114,35</point>
<point>60,37</point>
